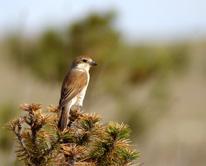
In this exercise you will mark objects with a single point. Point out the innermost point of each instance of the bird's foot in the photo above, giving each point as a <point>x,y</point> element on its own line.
<point>75,112</point>
<point>76,108</point>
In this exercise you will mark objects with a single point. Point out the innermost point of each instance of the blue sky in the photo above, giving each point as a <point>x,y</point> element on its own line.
<point>136,19</point>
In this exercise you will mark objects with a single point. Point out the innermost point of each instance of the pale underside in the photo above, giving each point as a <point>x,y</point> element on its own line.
<point>79,98</point>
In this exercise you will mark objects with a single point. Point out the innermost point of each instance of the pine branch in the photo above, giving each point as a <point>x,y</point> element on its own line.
<point>86,141</point>
<point>22,152</point>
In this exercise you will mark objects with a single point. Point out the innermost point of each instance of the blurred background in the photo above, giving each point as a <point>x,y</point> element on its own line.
<point>151,73</point>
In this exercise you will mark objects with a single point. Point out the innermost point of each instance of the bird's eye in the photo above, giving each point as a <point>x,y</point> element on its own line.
<point>84,60</point>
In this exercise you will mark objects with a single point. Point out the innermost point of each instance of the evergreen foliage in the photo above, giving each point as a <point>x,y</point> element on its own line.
<point>86,141</point>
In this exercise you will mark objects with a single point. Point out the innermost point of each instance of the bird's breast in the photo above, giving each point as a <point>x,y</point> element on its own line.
<point>82,93</point>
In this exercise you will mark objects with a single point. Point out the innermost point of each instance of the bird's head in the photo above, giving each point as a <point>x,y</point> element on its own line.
<point>83,62</point>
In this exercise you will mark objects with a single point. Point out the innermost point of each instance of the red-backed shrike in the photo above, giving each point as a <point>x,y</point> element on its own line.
<point>74,88</point>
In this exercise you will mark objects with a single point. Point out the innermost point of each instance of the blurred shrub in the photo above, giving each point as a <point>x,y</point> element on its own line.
<point>147,61</point>
<point>49,54</point>
<point>135,119</point>
<point>7,112</point>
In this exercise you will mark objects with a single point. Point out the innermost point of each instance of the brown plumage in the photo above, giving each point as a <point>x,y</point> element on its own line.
<point>74,88</point>
<point>72,85</point>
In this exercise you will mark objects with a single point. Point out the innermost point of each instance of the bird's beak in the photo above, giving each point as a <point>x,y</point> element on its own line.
<point>93,63</point>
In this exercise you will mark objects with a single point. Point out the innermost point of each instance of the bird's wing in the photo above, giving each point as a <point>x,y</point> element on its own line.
<point>73,83</point>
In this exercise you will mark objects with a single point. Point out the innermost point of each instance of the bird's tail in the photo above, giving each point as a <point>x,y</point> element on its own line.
<point>63,120</point>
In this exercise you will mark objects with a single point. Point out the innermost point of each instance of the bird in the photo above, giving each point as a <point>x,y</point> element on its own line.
<point>74,88</point>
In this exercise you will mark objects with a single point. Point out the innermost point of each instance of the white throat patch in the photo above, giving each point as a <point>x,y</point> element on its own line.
<point>83,66</point>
